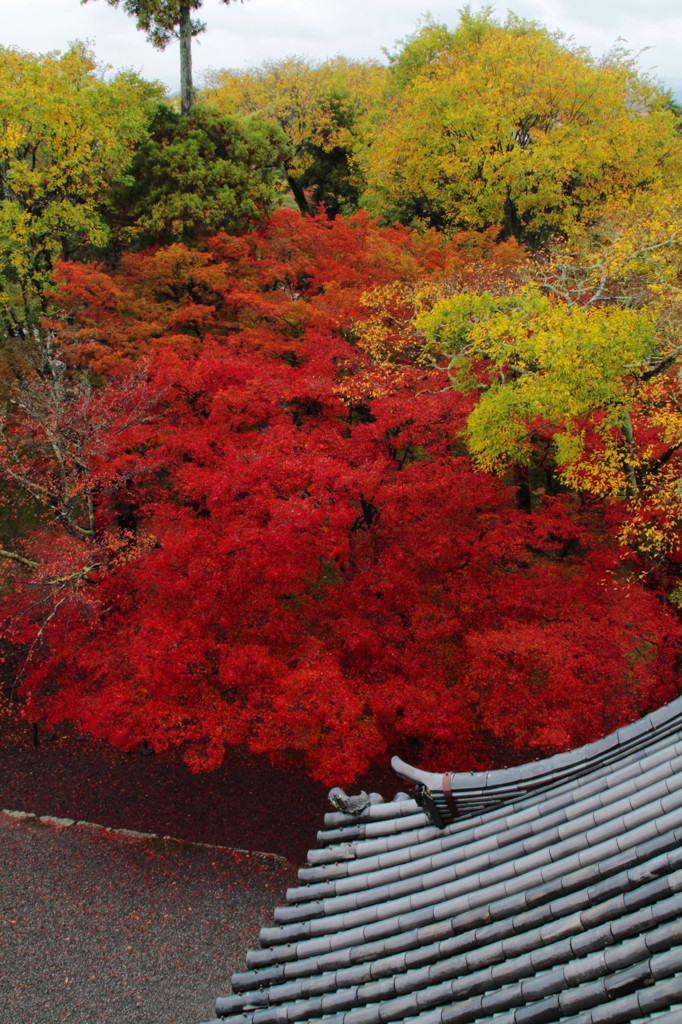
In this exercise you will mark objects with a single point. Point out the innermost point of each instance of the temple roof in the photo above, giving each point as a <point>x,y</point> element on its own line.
<point>549,892</point>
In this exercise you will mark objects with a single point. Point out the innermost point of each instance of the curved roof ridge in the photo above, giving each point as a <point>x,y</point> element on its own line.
<point>557,830</point>
<point>448,796</point>
<point>358,871</point>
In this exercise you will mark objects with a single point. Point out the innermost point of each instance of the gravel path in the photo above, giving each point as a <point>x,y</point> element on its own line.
<point>99,927</point>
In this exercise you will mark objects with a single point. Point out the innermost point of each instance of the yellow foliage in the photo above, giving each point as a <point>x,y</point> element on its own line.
<point>387,332</point>
<point>547,362</point>
<point>512,125</point>
<point>65,136</point>
<point>629,256</point>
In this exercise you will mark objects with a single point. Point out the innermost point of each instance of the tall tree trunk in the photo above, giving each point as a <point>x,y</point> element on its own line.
<point>299,195</point>
<point>186,90</point>
<point>629,436</point>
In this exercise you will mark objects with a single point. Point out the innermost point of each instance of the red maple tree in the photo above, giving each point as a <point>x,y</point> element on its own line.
<point>276,542</point>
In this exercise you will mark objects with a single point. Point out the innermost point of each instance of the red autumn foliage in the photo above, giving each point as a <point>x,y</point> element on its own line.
<point>273,562</point>
<point>291,275</point>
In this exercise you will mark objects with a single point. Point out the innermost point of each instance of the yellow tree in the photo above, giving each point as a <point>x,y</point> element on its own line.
<point>321,108</point>
<point>544,361</point>
<point>579,370</point>
<point>512,125</point>
<point>65,136</point>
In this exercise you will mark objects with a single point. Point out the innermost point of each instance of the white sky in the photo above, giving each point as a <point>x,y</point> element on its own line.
<point>242,35</point>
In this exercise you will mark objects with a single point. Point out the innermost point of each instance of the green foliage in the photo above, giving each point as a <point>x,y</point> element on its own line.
<point>66,136</point>
<point>420,52</point>
<point>160,19</point>
<point>322,110</point>
<point>546,362</point>
<point>328,175</point>
<point>201,174</point>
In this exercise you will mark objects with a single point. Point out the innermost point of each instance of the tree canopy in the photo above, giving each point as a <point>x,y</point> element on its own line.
<point>355,480</point>
<point>509,124</point>
<point>197,175</point>
<point>257,532</point>
<point>322,110</point>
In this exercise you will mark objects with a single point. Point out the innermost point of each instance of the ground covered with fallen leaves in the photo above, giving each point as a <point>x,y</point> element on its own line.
<point>245,803</point>
<point>104,928</point>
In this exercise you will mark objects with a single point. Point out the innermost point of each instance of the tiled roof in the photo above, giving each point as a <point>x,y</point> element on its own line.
<point>550,892</point>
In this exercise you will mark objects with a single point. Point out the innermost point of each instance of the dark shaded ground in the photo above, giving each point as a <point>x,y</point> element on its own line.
<point>99,928</point>
<point>242,804</point>
<point>246,803</point>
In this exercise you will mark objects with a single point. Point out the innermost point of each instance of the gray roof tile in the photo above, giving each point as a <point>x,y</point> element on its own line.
<point>555,898</point>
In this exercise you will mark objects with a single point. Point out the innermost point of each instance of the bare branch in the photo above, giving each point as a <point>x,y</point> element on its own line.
<point>18,558</point>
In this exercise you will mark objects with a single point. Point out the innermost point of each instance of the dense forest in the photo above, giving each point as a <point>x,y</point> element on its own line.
<point>341,402</point>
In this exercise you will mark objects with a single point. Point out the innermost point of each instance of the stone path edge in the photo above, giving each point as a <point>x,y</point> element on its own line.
<point>61,823</point>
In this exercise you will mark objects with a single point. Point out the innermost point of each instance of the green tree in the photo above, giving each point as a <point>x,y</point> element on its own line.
<point>321,108</point>
<point>164,20</point>
<point>66,136</point>
<point>419,52</point>
<point>200,174</point>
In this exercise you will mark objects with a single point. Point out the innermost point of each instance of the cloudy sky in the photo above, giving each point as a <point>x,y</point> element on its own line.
<point>243,35</point>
